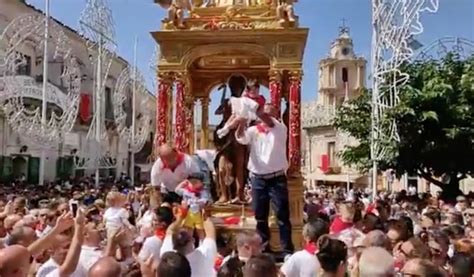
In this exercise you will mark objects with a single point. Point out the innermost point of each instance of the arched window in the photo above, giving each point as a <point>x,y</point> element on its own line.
<point>345,75</point>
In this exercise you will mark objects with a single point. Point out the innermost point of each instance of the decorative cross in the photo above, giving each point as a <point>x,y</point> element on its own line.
<point>343,29</point>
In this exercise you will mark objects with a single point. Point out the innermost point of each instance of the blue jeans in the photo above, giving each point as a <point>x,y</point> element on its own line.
<point>276,190</point>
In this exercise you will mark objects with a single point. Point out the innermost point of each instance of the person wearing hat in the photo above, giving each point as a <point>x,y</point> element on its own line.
<point>195,198</point>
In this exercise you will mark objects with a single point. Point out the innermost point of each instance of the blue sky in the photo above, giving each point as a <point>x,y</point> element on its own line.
<point>323,17</point>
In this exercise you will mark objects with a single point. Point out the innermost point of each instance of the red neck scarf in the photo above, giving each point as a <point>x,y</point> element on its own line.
<point>311,248</point>
<point>262,128</point>
<point>160,233</point>
<point>179,160</point>
<point>218,262</point>
<point>192,189</point>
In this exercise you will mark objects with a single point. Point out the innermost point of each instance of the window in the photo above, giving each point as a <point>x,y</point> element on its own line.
<point>345,75</point>
<point>109,109</point>
<point>332,153</point>
<point>24,65</point>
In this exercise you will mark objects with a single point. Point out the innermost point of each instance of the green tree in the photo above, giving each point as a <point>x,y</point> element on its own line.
<point>435,122</point>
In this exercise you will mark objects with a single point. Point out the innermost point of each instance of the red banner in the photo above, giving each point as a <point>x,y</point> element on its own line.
<point>324,163</point>
<point>84,107</point>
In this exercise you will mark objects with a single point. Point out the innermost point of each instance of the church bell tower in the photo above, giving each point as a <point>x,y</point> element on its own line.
<point>342,74</point>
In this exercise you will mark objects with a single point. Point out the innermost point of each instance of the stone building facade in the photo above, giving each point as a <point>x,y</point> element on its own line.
<point>19,157</point>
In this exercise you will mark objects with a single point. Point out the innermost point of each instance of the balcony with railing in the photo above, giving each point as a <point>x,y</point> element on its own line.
<point>317,115</point>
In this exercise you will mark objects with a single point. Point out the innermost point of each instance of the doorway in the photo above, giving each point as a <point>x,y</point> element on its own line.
<point>20,167</point>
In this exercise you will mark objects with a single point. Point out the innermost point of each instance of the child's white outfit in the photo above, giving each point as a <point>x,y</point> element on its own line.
<point>115,218</point>
<point>243,107</point>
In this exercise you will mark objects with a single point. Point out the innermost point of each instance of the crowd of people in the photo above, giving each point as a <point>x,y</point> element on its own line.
<point>165,229</point>
<point>123,231</point>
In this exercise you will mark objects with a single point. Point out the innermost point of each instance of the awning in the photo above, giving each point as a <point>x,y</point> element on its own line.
<point>338,178</point>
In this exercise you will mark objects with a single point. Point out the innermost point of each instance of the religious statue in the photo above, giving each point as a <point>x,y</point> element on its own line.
<point>285,11</point>
<point>231,156</point>
<point>176,9</point>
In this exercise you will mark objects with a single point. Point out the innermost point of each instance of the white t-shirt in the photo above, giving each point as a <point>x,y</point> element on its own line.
<point>151,246</point>
<point>301,264</point>
<point>146,220</point>
<point>115,217</point>
<point>51,269</point>
<point>89,256</point>
<point>201,259</point>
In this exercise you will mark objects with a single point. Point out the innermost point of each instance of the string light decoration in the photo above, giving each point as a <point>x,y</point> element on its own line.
<point>395,23</point>
<point>21,93</point>
<point>441,47</point>
<point>98,27</point>
<point>130,81</point>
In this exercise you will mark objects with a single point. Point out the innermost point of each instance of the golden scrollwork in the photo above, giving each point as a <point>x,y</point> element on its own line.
<point>296,75</point>
<point>165,76</point>
<point>274,75</point>
<point>232,13</point>
<point>181,76</point>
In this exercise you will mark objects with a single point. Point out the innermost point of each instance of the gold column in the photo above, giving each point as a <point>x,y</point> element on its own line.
<point>295,179</point>
<point>205,123</point>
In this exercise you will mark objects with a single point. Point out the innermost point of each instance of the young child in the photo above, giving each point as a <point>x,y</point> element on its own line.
<point>116,216</point>
<point>195,197</point>
<point>248,106</point>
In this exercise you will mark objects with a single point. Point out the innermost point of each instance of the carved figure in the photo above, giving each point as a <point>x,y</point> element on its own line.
<point>285,11</point>
<point>231,156</point>
<point>176,9</point>
<point>197,3</point>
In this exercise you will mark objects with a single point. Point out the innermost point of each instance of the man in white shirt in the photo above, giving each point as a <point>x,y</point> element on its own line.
<point>170,169</point>
<point>152,245</point>
<point>304,263</point>
<point>267,169</point>
<point>202,258</point>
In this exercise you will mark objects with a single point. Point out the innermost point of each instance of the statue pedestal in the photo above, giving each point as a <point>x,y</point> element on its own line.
<point>295,194</point>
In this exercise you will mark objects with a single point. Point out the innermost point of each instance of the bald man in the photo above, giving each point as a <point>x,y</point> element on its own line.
<point>15,261</point>
<point>10,221</point>
<point>105,267</point>
<point>171,168</point>
<point>22,235</point>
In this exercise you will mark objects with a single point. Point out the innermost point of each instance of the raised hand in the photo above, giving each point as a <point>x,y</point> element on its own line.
<point>64,222</point>
<point>147,267</point>
<point>9,208</point>
<point>80,219</point>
